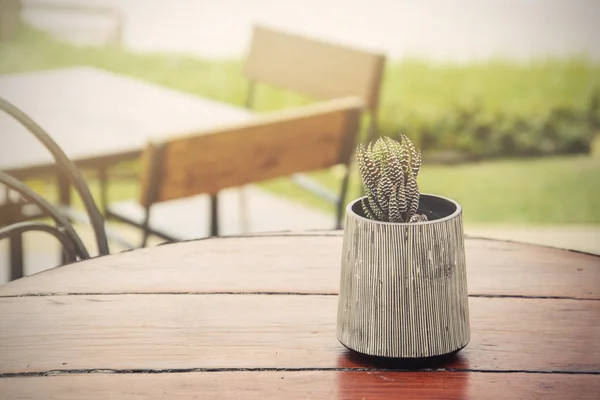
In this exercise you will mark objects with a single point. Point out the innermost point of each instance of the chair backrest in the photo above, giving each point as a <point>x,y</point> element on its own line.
<point>269,146</point>
<point>314,68</point>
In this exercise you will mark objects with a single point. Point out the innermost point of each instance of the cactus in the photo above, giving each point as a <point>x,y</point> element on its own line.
<point>389,171</point>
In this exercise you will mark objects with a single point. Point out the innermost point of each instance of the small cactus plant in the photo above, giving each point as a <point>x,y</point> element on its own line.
<point>389,171</point>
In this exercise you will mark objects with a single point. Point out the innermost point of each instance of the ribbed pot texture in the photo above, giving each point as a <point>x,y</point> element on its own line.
<point>403,288</point>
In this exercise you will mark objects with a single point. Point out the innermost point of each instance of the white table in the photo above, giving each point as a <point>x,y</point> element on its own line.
<point>98,117</point>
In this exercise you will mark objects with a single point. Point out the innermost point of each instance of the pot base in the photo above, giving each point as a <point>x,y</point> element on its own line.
<point>403,361</point>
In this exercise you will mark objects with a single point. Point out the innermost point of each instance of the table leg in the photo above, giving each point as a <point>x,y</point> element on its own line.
<point>10,213</point>
<point>64,199</point>
<point>16,257</point>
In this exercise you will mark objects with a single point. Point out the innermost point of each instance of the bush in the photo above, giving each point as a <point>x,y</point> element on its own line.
<point>494,109</point>
<point>475,133</point>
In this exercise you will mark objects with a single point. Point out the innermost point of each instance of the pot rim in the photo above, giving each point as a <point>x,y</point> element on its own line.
<point>457,212</point>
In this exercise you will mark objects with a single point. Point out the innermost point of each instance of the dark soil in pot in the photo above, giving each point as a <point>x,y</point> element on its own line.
<point>434,207</point>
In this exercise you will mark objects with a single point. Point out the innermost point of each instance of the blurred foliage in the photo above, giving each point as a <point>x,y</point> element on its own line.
<point>495,108</point>
<point>489,109</point>
<point>474,133</point>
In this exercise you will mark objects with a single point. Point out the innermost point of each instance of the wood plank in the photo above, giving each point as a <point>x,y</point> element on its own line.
<point>151,332</point>
<point>271,145</point>
<point>305,264</point>
<point>314,67</point>
<point>285,385</point>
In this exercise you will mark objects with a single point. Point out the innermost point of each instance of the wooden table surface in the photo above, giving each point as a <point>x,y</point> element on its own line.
<point>98,117</point>
<point>254,318</point>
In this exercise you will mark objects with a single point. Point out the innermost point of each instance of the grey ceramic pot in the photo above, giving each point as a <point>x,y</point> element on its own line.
<point>403,289</point>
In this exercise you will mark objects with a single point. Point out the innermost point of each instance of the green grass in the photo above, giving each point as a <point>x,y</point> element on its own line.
<point>552,190</point>
<point>539,191</point>
<point>557,189</point>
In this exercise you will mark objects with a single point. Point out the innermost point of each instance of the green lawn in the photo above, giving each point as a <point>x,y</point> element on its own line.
<point>553,190</point>
<point>556,190</point>
<point>547,190</point>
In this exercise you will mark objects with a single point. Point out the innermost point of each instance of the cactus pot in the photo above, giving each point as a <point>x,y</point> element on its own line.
<point>403,287</point>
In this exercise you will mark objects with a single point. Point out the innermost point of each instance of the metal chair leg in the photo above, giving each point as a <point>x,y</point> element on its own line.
<point>146,226</point>
<point>342,199</point>
<point>214,215</point>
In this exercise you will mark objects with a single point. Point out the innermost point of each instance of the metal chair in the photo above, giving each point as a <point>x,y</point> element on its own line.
<point>14,221</point>
<point>318,69</point>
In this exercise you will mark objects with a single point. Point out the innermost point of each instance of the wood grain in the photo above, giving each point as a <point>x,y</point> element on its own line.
<point>313,67</point>
<point>163,332</point>
<point>305,264</point>
<point>322,385</point>
<point>271,145</point>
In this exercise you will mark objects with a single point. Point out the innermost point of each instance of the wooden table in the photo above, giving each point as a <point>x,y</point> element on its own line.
<point>254,318</point>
